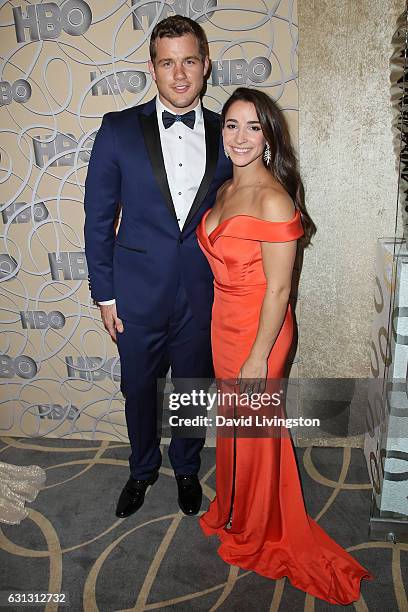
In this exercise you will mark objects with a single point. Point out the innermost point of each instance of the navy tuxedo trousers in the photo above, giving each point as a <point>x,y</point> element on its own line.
<point>146,353</point>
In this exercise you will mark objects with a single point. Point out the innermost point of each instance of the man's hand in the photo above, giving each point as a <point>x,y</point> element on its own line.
<point>111,320</point>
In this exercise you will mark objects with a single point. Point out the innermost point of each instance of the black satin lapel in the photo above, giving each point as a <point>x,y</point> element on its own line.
<point>212,143</point>
<point>151,136</point>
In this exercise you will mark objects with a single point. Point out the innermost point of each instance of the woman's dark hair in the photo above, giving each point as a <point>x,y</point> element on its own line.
<point>283,164</point>
<point>175,26</point>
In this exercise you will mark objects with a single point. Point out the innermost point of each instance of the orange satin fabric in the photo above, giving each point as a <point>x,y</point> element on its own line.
<point>271,532</point>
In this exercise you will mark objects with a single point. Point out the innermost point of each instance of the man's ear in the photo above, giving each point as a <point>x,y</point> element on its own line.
<point>206,65</point>
<point>150,66</point>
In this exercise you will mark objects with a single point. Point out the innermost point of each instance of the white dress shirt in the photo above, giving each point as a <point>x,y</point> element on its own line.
<point>184,155</point>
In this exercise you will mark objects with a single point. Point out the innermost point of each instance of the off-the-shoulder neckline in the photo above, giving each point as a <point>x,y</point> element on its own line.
<point>235,216</point>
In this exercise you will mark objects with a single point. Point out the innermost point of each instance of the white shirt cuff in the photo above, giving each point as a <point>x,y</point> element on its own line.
<point>107,303</point>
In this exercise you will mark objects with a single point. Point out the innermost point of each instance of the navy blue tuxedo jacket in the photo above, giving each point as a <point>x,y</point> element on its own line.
<point>142,266</point>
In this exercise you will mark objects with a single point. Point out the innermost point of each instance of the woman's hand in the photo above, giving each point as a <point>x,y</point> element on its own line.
<point>252,375</point>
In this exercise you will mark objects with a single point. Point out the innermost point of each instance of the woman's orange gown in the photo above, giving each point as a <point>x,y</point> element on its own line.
<point>257,478</point>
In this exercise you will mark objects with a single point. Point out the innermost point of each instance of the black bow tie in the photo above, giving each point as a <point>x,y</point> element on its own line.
<point>187,118</point>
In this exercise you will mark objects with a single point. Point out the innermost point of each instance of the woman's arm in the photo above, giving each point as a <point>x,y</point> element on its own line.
<point>278,259</point>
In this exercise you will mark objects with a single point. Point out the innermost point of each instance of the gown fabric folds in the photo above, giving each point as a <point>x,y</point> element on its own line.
<point>18,484</point>
<point>270,531</point>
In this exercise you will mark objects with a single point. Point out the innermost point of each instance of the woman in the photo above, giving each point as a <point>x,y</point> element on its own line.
<point>250,239</point>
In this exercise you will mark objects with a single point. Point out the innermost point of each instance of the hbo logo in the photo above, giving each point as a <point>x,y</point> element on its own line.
<point>46,150</point>
<point>38,319</point>
<point>72,266</point>
<point>56,412</point>
<point>239,72</point>
<point>19,91</point>
<point>93,368</point>
<point>132,80</point>
<point>8,266</point>
<point>187,8</point>
<point>22,366</point>
<point>40,212</point>
<point>46,21</point>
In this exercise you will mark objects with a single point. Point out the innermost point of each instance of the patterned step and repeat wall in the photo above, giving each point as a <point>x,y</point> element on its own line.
<point>63,65</point>
<point>386,440</point>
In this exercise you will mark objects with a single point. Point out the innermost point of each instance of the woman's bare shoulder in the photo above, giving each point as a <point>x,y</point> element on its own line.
<point>275,204</point>
<point>223,187</point>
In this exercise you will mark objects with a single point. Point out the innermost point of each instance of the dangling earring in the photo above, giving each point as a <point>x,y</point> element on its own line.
<point>226,154</point>
<point>267,154</point>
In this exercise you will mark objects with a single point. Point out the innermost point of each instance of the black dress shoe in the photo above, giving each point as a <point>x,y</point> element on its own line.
<point>133,494</point>
<point>190,493</point>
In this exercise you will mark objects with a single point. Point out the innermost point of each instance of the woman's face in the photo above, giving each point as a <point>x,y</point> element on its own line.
<point>243,138</point>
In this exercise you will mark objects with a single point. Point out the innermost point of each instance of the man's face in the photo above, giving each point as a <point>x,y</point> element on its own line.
<point>178,72</point>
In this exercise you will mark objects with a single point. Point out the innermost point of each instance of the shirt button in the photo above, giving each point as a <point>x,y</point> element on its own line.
<point>180,164</point>
<point>180,137</point>
<point>179,192</point>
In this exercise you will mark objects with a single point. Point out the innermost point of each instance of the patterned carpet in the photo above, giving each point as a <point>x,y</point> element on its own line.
<point>158,559</point>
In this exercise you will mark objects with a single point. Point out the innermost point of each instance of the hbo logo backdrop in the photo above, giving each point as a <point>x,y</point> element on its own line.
<point>66,64</point>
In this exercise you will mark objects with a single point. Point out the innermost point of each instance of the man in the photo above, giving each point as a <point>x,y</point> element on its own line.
<point>163,162</point>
